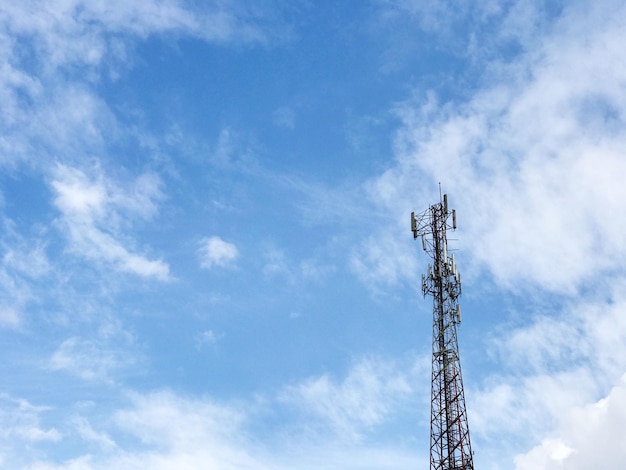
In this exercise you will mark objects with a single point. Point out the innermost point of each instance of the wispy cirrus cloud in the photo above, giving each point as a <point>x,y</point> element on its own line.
<point>60,36</point>
<point>23,264</point>
<point>178,431</point>
<point>29,261</point>
<point>17,294</point>
<point>367,397</point>
<point>87,432</point>
<point>54,53</point>
<point>23,428</point>
<point>87,359</point>
<point>95,212</point>
<point>482,35</point>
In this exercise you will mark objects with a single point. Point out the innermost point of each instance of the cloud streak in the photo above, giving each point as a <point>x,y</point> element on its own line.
<point>182,432</point>
<point>85,359</point>
<point>94,211</point>
<point>365,399</point>
<point>61,37</point>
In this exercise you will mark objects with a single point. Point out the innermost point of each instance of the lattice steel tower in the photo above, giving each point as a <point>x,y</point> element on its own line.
<point>450,447</point>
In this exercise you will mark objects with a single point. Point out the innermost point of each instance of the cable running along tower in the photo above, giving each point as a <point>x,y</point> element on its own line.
<point>450,447</point>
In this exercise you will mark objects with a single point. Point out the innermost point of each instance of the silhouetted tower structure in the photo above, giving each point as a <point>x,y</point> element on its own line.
<point>450,447</point>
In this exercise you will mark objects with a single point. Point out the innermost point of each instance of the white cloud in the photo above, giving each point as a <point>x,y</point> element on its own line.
<point>533,162</point>
<point>61,37</point>
<point>551,367</point>
<point>24,264</point>
<point>32,262</point>
<point>94,211</point>
<point>216,252</point>
<point>17,293</point>
<point>166,420</point>
<point>591,436</point>
<point>86,359</point>
<point>178,432</point>
<point>53,52</point>
<point>65,121</point>
<point>206,338</point>
<point>175,433</point>
<point>382,259</point>
<point>77,195</point>
<point>480,34</point>
<point>86,431</point>
<point>551,454</point>
<point>82,463</point>
<point>368,395</point>
<point>22,427</point>
<point>277,263</point>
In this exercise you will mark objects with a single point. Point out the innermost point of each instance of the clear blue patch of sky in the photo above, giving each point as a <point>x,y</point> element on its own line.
<point>331,79</point>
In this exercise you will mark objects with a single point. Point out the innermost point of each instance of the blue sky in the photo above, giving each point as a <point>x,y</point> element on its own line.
<point>206,258</point>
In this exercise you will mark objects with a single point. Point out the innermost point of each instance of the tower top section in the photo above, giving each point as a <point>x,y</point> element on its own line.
<point>428,223</point>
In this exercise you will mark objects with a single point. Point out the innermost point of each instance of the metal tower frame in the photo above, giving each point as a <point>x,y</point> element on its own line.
<point>450,447</point>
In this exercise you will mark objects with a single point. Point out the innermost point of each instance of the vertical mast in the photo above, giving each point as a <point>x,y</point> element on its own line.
<point>450,447</point>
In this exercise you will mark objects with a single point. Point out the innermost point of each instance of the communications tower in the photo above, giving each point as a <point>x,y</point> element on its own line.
<point>450,447</point>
